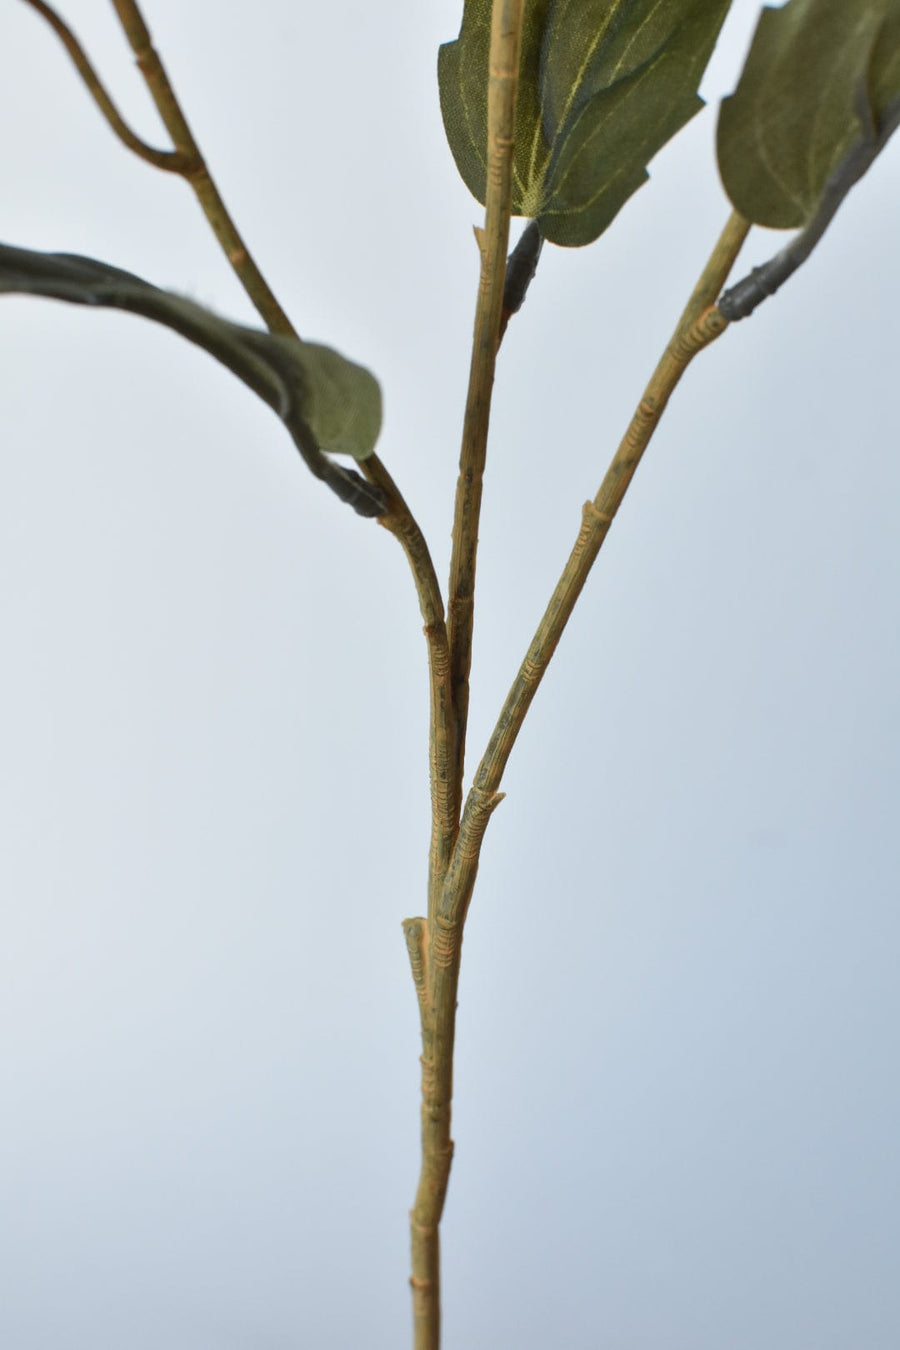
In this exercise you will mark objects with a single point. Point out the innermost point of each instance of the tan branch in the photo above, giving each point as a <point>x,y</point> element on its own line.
<point>700,324</point>
<point>195,171</point>
<point>445,786</point>
<point>493,240</point>
<point>445,924</point>
<point>171,160</point>
<point>187,160</point>
<point>399,520</point>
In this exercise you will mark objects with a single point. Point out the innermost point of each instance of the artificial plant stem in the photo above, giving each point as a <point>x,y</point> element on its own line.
<point>436,968</point>
<point>400,519</point>
<point>170,160</point>
<point>715,273</point>
<point>445,789</point>
<point>195,172</point>
<point>440,946</point>
<point>506,33</point>
<point>700,324</point>
<point>187,161</point>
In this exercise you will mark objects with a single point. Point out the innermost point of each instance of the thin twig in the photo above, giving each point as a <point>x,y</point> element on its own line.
<point>445,788</point>
<point>399,520</point>
<point>188,161</point>
<point>493,241</point>
<point>170,160</point>
<point>197,174</point>
<point>186,158</point>
<point>700,324</point>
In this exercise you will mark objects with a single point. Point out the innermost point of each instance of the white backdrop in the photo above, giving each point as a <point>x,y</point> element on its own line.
<point>677,1095</point>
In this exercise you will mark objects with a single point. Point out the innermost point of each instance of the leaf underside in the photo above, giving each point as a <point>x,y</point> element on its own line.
<point>603,85</point>
<point>820,90</point>
<point>338,400</point>
<point>326,402</point>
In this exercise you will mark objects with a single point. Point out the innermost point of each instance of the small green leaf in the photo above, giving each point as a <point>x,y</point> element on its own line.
<point>603,85</point>
<point>817,100</point>
<point>340,401</point>
<point>326,402</point>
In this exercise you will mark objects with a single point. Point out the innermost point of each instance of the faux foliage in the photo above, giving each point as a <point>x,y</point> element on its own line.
<point>553,110</point>
<point>604,84</point>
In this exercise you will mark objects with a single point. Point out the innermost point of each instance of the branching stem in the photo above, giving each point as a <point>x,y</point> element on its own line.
<point>187,160</point>
<point>700,324</point>
<point>170,160</point>
<point>434,943</point>
<point>399,519</point>
<point>436,946</point>
<point>195,171</point>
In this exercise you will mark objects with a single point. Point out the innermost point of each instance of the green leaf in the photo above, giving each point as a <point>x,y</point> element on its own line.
<point>326,402</point>
<point>603,85</point>
<point>340,400</point>
<point>817,100</point>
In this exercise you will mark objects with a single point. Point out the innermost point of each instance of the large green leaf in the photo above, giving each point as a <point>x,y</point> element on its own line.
<point>603,85</point>
<point>326,402</point>
<point>817,100</point>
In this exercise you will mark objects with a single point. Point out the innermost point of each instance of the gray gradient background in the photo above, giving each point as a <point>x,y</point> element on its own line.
<point>677,1091</point>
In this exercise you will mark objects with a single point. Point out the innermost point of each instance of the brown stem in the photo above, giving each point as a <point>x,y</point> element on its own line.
<point>171,160</point>
<point>186,159</point>
<point>444,930</point>
<point>195,171</point>
<point>493,240</point>
<point>446,793</point>
<point>700,324</point>
<point>438,1033</point>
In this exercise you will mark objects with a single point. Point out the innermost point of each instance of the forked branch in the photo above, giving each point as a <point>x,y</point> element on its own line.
<point>170,160</point>
<point>700,324</point>
<point>187,160</point>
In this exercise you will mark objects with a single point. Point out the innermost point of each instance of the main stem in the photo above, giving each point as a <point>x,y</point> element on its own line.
<point>434,943</point>
<point>435,946</point>
<point>493,241</point>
